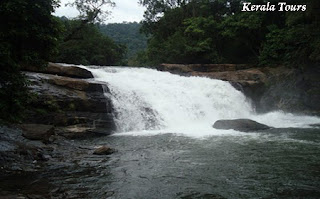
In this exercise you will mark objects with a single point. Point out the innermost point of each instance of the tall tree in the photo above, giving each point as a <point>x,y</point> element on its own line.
<point>28,36</point>
<point>216,31</point>
<point>89,47</point>
<point>90,11</point>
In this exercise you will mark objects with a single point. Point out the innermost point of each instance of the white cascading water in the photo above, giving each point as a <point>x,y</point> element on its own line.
<point>147,101</point>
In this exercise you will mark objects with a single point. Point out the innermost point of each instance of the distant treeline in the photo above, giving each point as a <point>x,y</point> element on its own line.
<point>100,44</point>
<point>204,31</point>
<point>128,34</point>
<point>87,45</point>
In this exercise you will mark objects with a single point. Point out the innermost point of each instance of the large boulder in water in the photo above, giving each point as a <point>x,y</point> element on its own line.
<point>244,125</point>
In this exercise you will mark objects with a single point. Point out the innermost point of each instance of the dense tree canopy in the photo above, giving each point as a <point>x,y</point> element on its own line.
<point>88,46</point>
<point>28,36</point>
<point>204,31</point>
<point>31,36</point>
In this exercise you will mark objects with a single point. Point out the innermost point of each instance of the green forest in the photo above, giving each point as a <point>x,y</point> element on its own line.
<point>205,31</point>
<point>175,31</point>
<point>128,34</point>
<point>87,45</point>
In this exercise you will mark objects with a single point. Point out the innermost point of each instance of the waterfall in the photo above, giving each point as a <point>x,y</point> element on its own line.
<point>146,99</point>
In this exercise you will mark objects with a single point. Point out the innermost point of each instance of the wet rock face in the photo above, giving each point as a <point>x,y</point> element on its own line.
<point>32,169</point>
<point>37,131</point>
<point>63,101</point>
<point>293,91</point>
<point>38,158</point>
<point>244,125</point>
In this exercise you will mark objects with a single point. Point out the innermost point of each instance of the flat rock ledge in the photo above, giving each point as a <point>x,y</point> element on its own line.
<point>37,131</point>
<point>58,69</point>
<point>243,125</point>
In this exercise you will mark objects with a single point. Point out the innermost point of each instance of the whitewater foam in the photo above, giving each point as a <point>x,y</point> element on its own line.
<point>148,102</point>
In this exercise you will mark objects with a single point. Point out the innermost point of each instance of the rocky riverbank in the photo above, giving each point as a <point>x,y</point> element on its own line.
<point>36,169</point>
<point>67,97</point>
<point>268,88</point>
<point>68,109</point>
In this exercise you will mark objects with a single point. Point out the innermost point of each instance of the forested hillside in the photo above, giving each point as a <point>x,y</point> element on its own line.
<point>126,33</point>
<point>202,31</point>
<point>87,46</point>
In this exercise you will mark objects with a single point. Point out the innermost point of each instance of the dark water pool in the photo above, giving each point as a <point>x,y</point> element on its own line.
<point>279,163</point>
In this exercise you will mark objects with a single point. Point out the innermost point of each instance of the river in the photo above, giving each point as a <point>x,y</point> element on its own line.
<point>167,148</point>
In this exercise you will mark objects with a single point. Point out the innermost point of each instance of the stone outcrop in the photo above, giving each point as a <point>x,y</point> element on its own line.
<point>293,90</point>
<point>34,155</point>
<point>34,169</point>
<point>57,69</point>
<point>268,88</point>
<point>103,150</point>
<point>63,101</point>
<point>37,131</point>
<point>189,68</point>
<point>244,125</point>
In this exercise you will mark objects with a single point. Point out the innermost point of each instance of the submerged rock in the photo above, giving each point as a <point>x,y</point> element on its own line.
<point>103,150</point>
<point>244,125</point>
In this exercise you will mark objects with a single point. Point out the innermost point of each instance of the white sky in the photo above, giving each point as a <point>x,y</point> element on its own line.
<point>125,10</point>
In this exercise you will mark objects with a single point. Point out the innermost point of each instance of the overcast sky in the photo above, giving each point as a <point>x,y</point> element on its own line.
<point>125,10</point>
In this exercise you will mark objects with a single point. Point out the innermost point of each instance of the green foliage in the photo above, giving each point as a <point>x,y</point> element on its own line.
<point>127,34</point>
<point>202,31</point>
<point>92,10</point>
<point>297,43</point>
<point>89,47</point>
<point>140,59</point>
<point>28,36</point>
<point>189,32</point>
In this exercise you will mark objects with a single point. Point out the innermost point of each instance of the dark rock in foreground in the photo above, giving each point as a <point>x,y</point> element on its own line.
<point>64,102</point>
<point>34,169</point>
<point>244,125</point>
